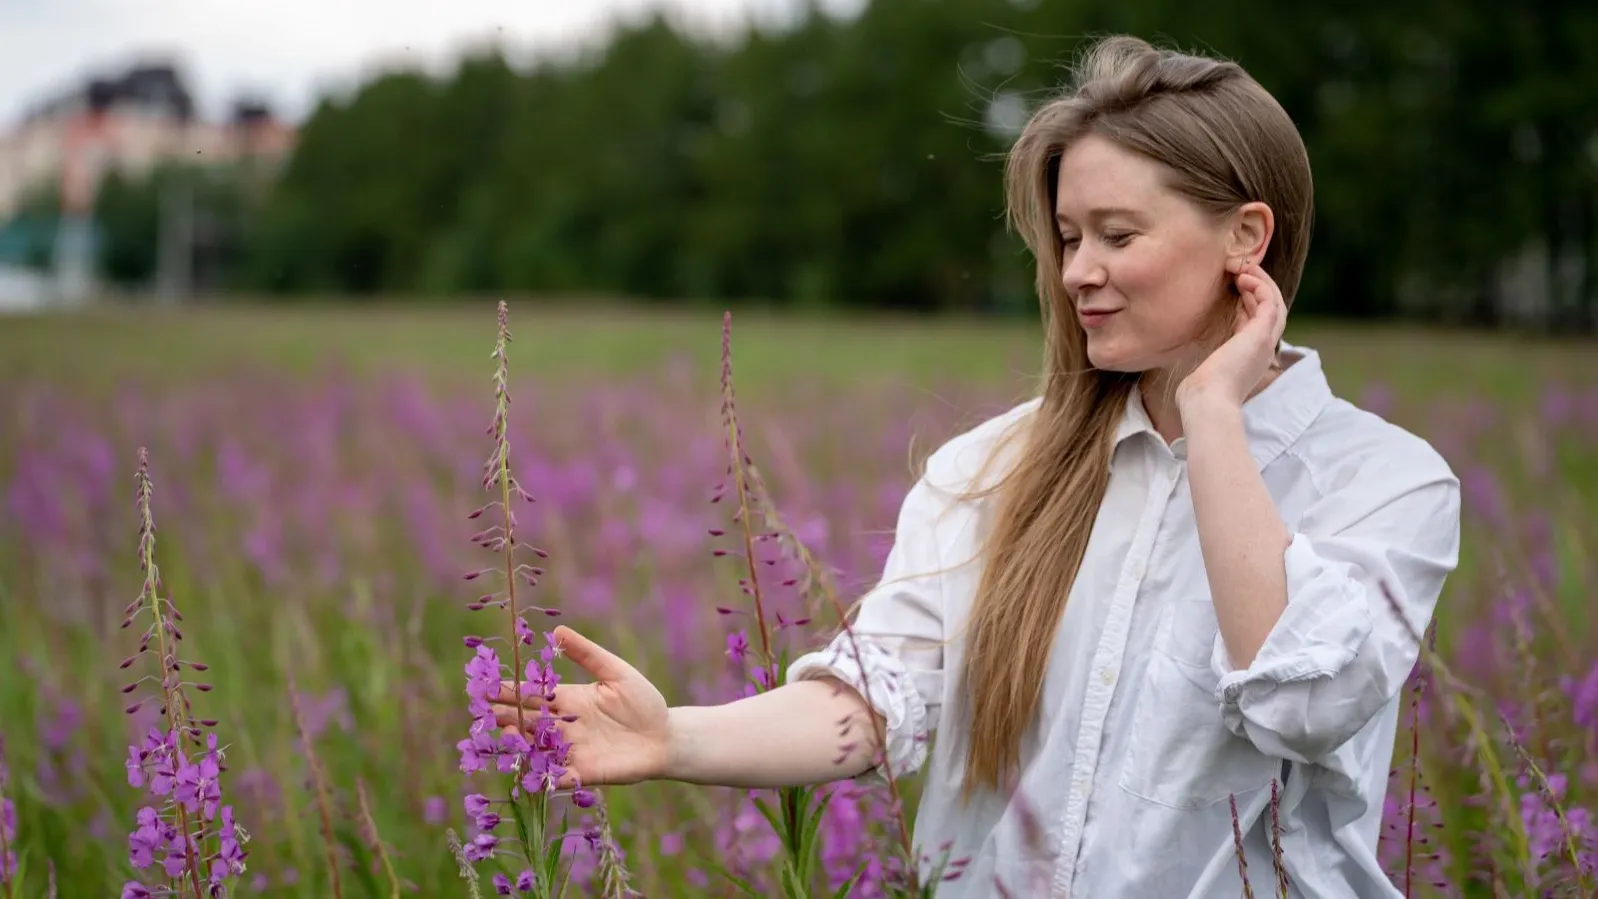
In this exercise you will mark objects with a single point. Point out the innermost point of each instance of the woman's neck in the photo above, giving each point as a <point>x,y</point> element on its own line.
<point>1158,392</point>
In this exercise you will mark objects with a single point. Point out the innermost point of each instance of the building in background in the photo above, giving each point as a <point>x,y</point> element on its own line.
<point>65,146</point>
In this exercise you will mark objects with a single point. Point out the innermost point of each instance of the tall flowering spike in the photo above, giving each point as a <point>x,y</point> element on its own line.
<point>531,760</point>
<point>183,831</point>
<point>753,497</point>
<point>738,466</point>
<point>319,785</point>
<point>8,829</point>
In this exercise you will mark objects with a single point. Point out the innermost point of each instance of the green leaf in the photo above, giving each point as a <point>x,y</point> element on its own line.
<point>552,857</point>
<point>360,856</point>
<point>807,833</point>
<point>794,883</point>
<point>843,891</point>
<point>771,818</point>
<point>565,880</point>
<point>734,879</point>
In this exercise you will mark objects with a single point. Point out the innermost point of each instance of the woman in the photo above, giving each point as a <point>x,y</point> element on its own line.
<point>1167,583</point>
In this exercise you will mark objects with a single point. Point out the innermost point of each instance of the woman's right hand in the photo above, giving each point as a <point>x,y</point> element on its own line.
<point>618,732</point>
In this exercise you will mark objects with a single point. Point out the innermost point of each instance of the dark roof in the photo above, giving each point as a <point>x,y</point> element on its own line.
<point>159,87</point>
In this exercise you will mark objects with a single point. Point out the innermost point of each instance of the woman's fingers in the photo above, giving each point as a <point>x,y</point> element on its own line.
<point>507,715</point>
<point>593,658</point>
<point>532,697</point>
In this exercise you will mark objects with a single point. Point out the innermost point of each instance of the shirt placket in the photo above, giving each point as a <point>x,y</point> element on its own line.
<point>1107,658</point>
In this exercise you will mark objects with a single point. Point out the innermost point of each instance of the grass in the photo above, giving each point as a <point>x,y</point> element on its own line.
<point>313,468</point>
<point>567,342</point>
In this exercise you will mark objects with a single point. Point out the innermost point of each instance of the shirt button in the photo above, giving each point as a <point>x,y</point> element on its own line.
<point>1108,676</point>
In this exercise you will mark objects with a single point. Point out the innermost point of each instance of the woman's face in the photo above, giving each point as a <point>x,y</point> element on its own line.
<point>1144,267</point>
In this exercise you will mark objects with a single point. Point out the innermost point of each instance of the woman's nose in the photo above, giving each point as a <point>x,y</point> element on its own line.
<point>1079,270</point>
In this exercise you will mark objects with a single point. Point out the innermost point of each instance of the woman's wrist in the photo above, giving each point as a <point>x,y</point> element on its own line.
<point>680,751</point>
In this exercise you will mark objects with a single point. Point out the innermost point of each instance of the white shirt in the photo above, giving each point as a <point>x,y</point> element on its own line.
<point>1145,730</point>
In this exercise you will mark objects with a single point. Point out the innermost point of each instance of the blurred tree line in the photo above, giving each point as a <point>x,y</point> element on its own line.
<point>857,162</point>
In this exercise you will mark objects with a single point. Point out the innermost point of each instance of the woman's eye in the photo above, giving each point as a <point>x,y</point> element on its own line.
<point>1118,240</point>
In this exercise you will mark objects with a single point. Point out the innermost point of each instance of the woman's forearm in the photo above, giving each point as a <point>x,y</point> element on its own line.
<point>807,732</point>
<point>1241,534</point>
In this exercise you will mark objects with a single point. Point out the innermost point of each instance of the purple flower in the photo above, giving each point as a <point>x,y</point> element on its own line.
<point>230,852</point>
<point>737,646</point>
<point>197,786</point>
<point>542,679</point>
<point>501,885</point>
<point>511,748</point>
<point>476,752</point>
<point>481,847</point>
<point>482,685</point>
<point>135,763</point>
<point>146,839</point>
<point>543,773</point>
<point>524,881</point>
<point>177,856</point>
<point>551,649</point>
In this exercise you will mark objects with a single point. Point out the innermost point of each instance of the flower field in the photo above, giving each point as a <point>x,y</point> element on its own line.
<point>297,640</point>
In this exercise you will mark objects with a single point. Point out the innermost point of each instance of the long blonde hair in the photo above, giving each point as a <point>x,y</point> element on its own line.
<point>1224,141</point>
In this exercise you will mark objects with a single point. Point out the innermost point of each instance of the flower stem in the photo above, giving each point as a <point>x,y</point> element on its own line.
<point>1414,774</point>
<point>319,780</point>
<point>502,474</point>
<point>377,839</point>
<point>173,690</point>
<point>740,479</point>
<point>5,877</point>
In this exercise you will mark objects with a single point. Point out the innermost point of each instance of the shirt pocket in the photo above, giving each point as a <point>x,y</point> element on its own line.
<point>1180,753</point>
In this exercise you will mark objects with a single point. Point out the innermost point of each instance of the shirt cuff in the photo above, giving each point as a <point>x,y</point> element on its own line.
<point>1326,620</point>
<point>888,687</point>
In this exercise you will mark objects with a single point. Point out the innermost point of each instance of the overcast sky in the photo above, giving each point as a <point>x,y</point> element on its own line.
<point>290,51</point>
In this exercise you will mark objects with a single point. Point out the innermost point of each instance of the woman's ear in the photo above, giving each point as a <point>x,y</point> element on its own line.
<point>1249,232</point>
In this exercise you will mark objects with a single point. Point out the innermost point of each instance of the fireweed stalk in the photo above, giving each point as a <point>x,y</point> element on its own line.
<point>1453,690</point>
<point>535,754</point>
<point>369,829</point>
<point>318,779</point>
<point>1278,867</point>
<point>1414,798</point>
<point>905,879</point>
<point>185,827</point>
<point>799,810</point>
<point>8,831</point>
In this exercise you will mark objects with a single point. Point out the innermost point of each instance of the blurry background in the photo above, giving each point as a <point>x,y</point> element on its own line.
<point>266,241</point>
<point>795,154</point>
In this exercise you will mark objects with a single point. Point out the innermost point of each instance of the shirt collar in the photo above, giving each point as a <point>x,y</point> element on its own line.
<point>1273,419</point>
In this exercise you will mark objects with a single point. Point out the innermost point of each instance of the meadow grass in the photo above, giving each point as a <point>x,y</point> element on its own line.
<point>313,469</point>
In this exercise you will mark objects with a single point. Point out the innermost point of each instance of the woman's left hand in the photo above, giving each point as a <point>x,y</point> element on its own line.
<point>1237,366</point>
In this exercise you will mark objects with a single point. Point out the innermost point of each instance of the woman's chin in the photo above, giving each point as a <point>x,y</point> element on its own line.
<point>1107,356</point>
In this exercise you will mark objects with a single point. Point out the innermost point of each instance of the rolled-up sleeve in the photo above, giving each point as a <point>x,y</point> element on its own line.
<point>1381,544</point>
<point>895,656</point>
